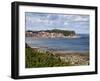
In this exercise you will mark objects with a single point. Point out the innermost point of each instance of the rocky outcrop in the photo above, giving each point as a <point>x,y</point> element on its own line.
<point>50,34</point>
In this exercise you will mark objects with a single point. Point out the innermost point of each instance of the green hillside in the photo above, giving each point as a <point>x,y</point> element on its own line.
<point>65,32</point>
<point>35,59</point>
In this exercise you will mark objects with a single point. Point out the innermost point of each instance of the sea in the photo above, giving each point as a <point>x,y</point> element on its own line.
<point>77,44</point>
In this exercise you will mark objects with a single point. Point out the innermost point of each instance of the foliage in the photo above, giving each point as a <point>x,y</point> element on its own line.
<point>37,59</point>
<point>65,32</point>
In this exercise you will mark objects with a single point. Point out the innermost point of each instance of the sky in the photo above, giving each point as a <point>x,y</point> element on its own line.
<point>48,21</point>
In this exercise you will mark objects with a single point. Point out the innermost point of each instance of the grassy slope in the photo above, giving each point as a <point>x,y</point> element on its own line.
<point>36,59</point>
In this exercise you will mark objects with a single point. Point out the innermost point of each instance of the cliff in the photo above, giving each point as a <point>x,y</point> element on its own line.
<point>50,33</point>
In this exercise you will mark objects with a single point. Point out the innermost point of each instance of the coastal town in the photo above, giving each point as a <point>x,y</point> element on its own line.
<point>50,34</point>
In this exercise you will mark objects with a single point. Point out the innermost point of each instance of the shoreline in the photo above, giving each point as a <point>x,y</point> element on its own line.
<point>72,57</point>
<point>67,37</point>
<point>75,58</point>
<point>57,51</point>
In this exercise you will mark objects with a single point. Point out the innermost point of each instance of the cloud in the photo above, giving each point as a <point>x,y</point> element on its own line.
<point>43,21</point>
<point>81,18</point>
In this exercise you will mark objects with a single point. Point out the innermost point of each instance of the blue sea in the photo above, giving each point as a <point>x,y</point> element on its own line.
<point>81,43</point>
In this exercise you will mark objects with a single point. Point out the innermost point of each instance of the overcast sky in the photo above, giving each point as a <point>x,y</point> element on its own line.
<point>48,21</point>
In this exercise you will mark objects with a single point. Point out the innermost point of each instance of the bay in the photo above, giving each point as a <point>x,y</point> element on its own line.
<point>61,44</point>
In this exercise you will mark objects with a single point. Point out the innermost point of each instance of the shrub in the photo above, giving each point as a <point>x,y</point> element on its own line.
<point>37,59</point>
